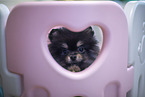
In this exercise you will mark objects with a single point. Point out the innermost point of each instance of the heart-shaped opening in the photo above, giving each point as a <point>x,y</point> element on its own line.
<point>75,51</point>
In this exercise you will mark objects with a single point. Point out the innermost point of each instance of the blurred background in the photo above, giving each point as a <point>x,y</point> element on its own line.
<point>11,3</point>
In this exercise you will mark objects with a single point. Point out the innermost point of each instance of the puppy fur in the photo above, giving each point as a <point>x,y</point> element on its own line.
<point>75,51</point>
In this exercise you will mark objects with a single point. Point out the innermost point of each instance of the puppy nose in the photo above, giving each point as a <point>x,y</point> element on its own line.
<point>73,57</point>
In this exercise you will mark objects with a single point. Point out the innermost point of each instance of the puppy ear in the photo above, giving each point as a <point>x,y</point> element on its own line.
<point>89,31</point>
<point>53,34</point>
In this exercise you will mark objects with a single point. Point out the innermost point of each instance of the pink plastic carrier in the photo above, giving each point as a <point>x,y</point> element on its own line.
<point>28,55</point>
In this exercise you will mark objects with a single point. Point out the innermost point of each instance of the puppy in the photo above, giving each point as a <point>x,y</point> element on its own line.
<point>75,51</point>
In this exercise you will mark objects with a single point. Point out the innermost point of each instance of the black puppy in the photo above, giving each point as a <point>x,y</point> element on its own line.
<point>75,51</point>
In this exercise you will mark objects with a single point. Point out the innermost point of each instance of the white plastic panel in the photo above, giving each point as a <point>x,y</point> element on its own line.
<point>135,12</point>
<point>10,83</point>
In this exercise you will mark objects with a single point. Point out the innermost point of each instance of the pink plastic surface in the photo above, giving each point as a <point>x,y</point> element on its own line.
<point>28,55</point>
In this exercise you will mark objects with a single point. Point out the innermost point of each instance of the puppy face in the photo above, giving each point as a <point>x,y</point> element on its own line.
<point>74,51</point>
<point>74,55</point>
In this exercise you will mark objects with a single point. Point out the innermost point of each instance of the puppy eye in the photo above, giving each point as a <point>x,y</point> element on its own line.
<point>81,49</point>
<point>65,52</point>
